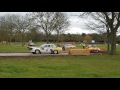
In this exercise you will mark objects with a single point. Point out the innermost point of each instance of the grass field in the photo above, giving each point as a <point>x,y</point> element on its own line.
<point>97,66</point>
<point>16,47</point>
<point>13,49</point>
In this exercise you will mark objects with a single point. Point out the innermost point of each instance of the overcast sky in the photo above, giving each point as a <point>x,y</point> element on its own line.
<point>76,27</point>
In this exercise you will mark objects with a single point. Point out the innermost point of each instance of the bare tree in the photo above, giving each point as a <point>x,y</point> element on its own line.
<point>23,24</point>
<point>10,25</point>
<point>62,23</point>
<point>97,22</point>
<point>49,22</point>
<point>2,28</point>
<point>109,20</point>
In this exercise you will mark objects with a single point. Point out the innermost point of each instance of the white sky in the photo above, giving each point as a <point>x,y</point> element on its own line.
<point>76,26</point>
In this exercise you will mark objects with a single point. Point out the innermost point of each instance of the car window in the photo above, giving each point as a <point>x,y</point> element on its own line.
<point>54,46</point>
<point>45,46</point>
<point>68,44</point>
<point>49,46</point>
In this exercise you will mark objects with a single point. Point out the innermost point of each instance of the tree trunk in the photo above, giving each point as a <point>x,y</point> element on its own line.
<point>22,40</point>
<point>57,38</point>
<point>108,46</point>
<point>108,41</point>
<point>113,42</point>
<point>10,41</point>
<point>47,38</point>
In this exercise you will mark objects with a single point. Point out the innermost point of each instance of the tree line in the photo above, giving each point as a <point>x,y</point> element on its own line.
<point>37,25</point>
<point>42,25</point>
<point>108,22</point>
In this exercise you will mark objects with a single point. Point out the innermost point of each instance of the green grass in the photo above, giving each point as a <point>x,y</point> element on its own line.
<point>16,47</point>
<point>13,49</point>
<point>97,66</point>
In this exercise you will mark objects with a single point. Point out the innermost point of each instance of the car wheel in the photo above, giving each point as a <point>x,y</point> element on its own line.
<point>37,51</point>
<point>55,52</point>
<point>51,51</point>
<point>33,52</point>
